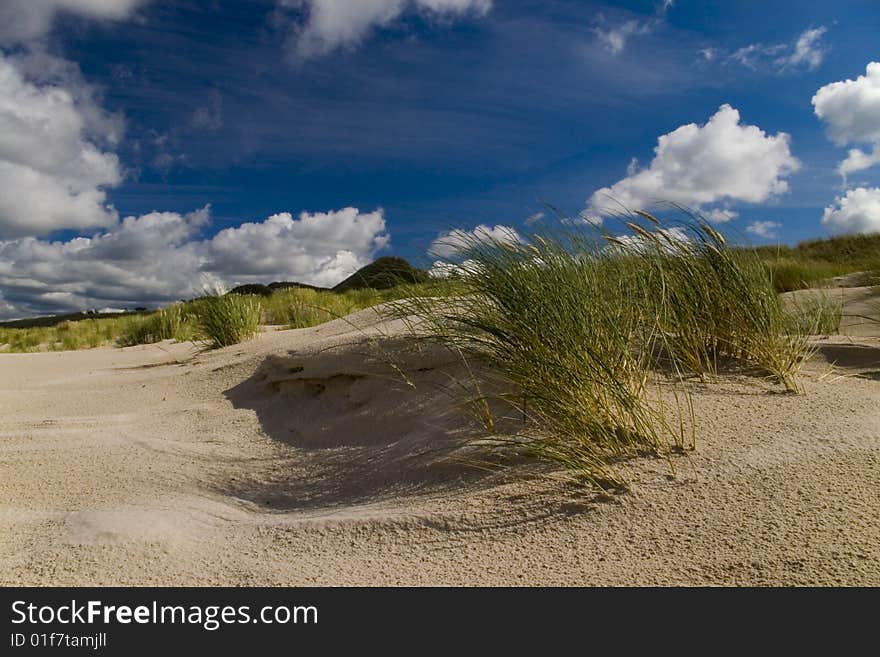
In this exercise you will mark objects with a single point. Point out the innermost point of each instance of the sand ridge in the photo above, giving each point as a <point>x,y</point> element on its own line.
<point>303,457</point>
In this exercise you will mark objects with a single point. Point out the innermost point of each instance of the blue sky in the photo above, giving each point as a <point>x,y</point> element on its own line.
<point>424,115</point>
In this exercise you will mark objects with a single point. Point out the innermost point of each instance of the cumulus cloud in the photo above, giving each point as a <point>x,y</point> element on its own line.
<point>25,20</point>
<point>806,52</point>
<point>857,211</point>
<point>851,110</point>
<point>53,164</point>
<point>766,229</point>
<point>320,248</point>
<point>333,24</point>
<point>459,241</point>
<point>696,165</point>
<point>446,269</point>
<point>143,260</point>
<point>160,257</point>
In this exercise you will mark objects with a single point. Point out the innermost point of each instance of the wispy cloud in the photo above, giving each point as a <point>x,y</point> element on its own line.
<point>209,117</point>
<point>807,51</point>
<point>614,37</point>
<point>765,229</point>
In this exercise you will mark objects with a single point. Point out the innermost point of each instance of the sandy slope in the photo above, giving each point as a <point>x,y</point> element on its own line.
<point>282,462</point>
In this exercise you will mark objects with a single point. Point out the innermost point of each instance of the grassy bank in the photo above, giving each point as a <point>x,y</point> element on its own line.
<point>810,263</point>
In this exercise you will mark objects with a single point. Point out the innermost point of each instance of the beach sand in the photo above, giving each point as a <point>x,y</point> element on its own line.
<point>303,458</point>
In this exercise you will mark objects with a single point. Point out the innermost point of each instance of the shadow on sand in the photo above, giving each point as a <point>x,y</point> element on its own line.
<point>365,430</point>
<point>852,356</point>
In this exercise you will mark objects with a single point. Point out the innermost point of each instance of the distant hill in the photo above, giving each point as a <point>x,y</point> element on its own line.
<point>382,274</point>
<point>266,290</point>
<point>54,320</point>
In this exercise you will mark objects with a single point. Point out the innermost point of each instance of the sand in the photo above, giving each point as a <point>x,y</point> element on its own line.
<point>303,458</point>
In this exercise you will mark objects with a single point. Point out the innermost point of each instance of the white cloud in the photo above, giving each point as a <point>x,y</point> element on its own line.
<point>858,160</point>
<point>333,24</point>
<point>53,168</point>
<point>851,109</point>
<point>857,211</point>
<point>445,269</point>
<point>696,165</point>
<point>141,261</point>
<point>25,20</point>
<point>720,215</point>
<point>459,241</point>
<point>320,248</point>
<point>807,51</point>
<point>709,54</point>
<point>534,218</point>
<point>765,229</point>
<point>615,37</point>
<point>671,240</point>
<point>159,257</point>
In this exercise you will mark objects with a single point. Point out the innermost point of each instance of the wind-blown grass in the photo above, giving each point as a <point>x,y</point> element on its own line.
<point>563,325</point>
<point>713,302</point>
<point>593,334</point>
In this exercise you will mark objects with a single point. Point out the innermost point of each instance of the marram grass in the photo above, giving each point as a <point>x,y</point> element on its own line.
<point>174,322</point>
<point>228,319</point>
<point>593,334</point>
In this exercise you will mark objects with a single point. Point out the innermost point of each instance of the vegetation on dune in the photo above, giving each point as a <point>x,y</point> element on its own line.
<point>713,302</point>
<point>67,335</point>
<point>291,307</point>
<point>809,263</point>
<point>298,305</point>
<point>593,335</point>
<point>227,319</point>
<point>174,322</point>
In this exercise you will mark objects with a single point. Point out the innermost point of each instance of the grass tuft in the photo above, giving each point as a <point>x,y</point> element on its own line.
<point>174,322</point>
<point>228,319</point>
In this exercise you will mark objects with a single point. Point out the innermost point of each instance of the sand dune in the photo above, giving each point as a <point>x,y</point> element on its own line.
<point>304,457</point>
